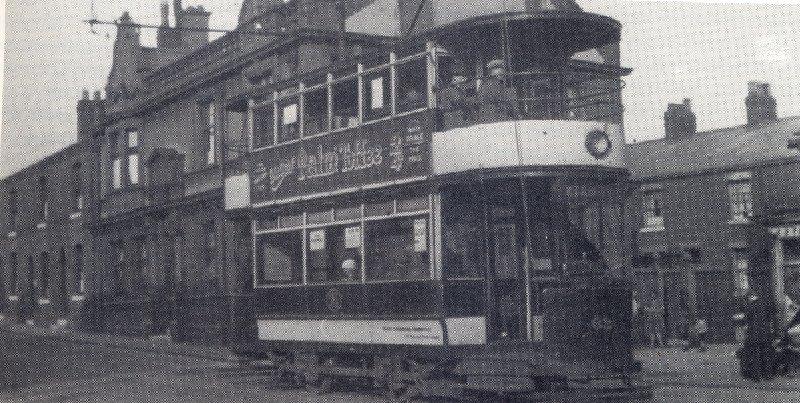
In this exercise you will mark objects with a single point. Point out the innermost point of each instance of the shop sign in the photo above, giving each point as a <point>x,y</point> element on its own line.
<point>352,237</point>
<point>420,235</point>
<point>380,152</point>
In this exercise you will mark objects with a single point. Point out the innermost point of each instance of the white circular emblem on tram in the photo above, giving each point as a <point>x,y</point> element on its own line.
<point>598,144</point>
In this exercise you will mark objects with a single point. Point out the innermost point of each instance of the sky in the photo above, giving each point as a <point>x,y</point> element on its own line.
<point>676,48</point>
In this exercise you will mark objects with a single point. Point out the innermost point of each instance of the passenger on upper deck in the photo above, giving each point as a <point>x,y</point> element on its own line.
<point>496,99</point>
<point>456,101</point>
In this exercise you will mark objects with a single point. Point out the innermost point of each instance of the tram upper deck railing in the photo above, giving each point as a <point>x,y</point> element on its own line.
<point>572,90</point>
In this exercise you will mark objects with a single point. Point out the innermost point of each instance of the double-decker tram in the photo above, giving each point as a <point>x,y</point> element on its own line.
<point>444,216</point>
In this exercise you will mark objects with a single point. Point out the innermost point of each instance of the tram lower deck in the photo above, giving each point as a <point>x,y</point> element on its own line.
<point>436,272</point>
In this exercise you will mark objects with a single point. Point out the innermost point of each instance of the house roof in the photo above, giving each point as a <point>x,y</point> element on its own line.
<point>720,149</point>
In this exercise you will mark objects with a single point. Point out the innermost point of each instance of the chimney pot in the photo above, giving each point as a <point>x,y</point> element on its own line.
<point>85,94</point>
<point>96,95</point>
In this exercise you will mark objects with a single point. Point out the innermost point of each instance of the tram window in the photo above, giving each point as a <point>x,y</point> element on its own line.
<point>334,254</point>
<point>319,217</point>
<point>397,249</point>
<point>347,213</point>
<point>263,126</point>
<point>280,258</point>
<point>345,103</point>
<point>315,110</point>
<point>377,95</point>
<point>462,235</point>
<point>412,85</point>
<point>412,204</point>
<point>379,208</point>
<point>288,120</point>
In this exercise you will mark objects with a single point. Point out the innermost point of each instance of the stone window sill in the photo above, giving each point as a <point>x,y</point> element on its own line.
<point>13,297</point>
<point>41,225</point>
<point>44,301</point>
<point>77,298</point>
<point>76,215</point>
<point>12,234</point>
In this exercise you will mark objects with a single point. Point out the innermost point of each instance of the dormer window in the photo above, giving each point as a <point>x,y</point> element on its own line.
<point>740,194</point>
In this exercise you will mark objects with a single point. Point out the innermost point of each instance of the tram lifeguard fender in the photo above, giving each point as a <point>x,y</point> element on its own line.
<point>531,143</point>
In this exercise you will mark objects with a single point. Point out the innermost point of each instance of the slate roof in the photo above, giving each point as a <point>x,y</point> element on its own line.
<point>720,149</point>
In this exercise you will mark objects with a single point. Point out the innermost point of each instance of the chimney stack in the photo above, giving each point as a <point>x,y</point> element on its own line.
<point>196,20</point>
<point>679,120</point>
<point>91,113</point>
<point>760,103</point>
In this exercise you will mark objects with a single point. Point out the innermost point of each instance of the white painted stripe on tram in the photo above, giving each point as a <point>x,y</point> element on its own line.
<point>461,331</point>
<point>466,331</point>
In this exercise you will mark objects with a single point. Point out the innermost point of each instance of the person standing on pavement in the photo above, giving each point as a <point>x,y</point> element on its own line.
<point>757,354</point>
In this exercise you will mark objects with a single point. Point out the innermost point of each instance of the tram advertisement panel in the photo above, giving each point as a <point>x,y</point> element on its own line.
<point>374,153</point>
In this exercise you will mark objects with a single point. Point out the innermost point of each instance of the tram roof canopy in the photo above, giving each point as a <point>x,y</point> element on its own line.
<point>549,32</point>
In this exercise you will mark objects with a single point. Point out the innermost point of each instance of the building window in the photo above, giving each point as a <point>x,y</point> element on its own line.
<point>397,249</point>
<point>741,268</point>
<point>652,209</point>
<point>280,258</point>
<point>13,276</point>
<point>44,206</point>
<point>116,161</point>
<point>180,258</point>
<point>741,199</point>
<point>210,116</point>
<point>133,156</point>
<point>13,209</point>
<point>77,186</point>
<point>209,250</point>
<point>44,275</point>
<point>264,126</point>
<point>80,281</point>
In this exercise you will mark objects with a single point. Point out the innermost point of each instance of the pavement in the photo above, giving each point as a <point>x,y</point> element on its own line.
<point>717,366</point>
<point>161,345</point>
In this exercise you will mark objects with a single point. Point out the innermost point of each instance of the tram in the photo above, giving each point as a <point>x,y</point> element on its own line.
<point>443,216</point>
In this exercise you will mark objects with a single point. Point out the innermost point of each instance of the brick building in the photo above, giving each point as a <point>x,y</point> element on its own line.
<point>172,261</point>
<point>696,196</point>
<point>46,248</point>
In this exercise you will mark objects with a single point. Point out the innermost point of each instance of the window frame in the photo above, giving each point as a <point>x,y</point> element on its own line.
<point>649,206</point>
<point>305,227</point>
<point>740,202</point>
<point>299,90</point>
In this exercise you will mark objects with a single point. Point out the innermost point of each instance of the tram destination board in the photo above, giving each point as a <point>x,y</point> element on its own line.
<point>371,154</point>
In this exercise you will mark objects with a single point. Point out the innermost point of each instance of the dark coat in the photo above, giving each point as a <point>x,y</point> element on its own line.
<point>497,101</point>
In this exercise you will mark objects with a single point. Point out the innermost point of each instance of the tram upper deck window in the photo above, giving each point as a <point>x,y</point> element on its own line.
<point>315,110</point>
<point>377,95</point>
<point>397,249</point>
<point>412,85</point>
<point>280,258</point>
<point>288,119</point>
<point>334,254</point>
<point>345,103</point>
<point>264,126</point>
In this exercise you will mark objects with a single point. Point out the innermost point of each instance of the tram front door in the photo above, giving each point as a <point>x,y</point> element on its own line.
<point>505,292</point>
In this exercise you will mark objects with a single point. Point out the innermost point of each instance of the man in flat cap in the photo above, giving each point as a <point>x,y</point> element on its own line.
<point>456,100</point>
<point>497,100</point>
